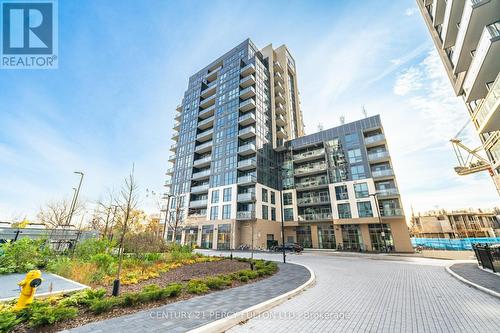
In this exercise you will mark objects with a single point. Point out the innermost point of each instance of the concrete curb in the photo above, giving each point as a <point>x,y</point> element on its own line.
<point>472,284</point>
<point>226,323</point>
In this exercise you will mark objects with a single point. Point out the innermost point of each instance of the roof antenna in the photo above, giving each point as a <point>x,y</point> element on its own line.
<point>365,113</point>
<point>320,127</point>
<point>342,119</point>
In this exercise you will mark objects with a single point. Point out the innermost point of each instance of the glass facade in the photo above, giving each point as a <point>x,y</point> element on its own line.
<point>224,236</point>
<point>351,237</point>
<point>326,236</point>
<point>377,238</point>
<point>207,236</point>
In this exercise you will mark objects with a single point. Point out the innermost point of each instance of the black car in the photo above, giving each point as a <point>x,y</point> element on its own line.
<point>294,247</point>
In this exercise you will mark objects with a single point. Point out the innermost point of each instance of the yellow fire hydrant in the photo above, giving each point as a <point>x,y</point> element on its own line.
<point>28,288</point>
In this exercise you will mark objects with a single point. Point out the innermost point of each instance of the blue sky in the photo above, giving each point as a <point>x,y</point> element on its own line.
<point>124,65</point>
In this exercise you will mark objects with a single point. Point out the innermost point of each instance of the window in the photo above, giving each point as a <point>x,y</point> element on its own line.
<point>226,212</point>
<point>273,213</point>
<point>344,211</point>
<point>358,172</point>
<point>365,209</point>
<point>361,190</point>
<point>351,139</point>
<point>341,192</point>
<point>287,199</point>
<point>215,196</point>
<point>265,212</point>
<point>288,214</point>
<point>214,212</point>
<point>273,197</point>
<point>354,156</point>
<point>227,195</point>
<point>264,195</point>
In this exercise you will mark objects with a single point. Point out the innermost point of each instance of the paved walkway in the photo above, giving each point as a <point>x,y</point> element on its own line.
<point>198,311</point>
<point>471,272</point>
<point>384,295</point>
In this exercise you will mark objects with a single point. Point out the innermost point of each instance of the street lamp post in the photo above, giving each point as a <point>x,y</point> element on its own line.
<point>168,197</point>
<point>382,233</point>
<point>75,198</point>
<point>282,210</point>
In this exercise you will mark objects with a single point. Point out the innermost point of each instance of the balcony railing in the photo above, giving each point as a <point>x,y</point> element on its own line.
<point>247,81</point>
<point>245,215</point>
<point>313,200</point>
<point>391,212</point>
<point>205,123</point>
<point>203,146</point>
<point>387,192</point>
<point>205,135</point>
<point>247,105</point>
<point>308,154</point>
<point>200,188</point>
<point>248,69</point>
<point>382,173</point>
<point>315,183</point>
<point>250,163</point>
<point>198,203</point>
<point>170,171</point>
<point>247,132</point>
<point>280,108</point>
<point>315,217</point>
<point>245,197</point>
<point>378,155</point>
<point>488,107</point>
<point>374,139</point>
<point>247,149</point>
<point>203,160</point>
<point>209,101</point>
<point>172,157</point>
<point>280,120</point>
<point>247,119</point>
<point>201,174</point>
<point>247,179</point>
<point>247,92</point>
<point>303,170</point>
<point>208,112</point>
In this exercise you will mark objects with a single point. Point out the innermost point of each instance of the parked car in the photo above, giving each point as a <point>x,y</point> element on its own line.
<point>294,247</point>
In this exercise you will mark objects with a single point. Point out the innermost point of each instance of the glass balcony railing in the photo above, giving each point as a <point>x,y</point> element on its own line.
<point>315,183</point>
<point>247,179</point>
<point>247,92</point>
<point>391,212</point>
<point>247,132</point>
<point>198,203</point>
<point>387,192</point>
<point>203,145</point>
<point>245,215</point>
<point>311,153</point>
<point>247,118</point>
<point>247,104</point>
<point>315,216</point>
<point>204,173</point>
<point>248,163</point>
<point>249,147</point>
<point>205,134</point>
<point>299,171</point>
<point>378,155</point>
<point>250,196</point>
<point>487,106</point>
<point>200,188</point>
<point>374,139</point>
<point>203,160</point>
<point>382,173</point>
<point>313,200</point>
<point>172,157</point>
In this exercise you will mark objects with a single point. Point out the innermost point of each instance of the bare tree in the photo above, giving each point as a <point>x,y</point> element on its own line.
<point>126,203</point>
<point>174,224</point>
<point>56,213</point>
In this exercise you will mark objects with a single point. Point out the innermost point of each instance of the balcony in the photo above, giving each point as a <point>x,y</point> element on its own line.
<point>278,77</point>
<point>475,14</point>
<point>280,109</point>
<point>279,97</point>
<point>388,212</point>
<point>248,164</point>
<point>382,173</point>
<point>205,136</point>
<point>170,171</point>
<point>247,119</point>
<point>208,112</point>
<point>247,149</point>
<point>177,126</point>
<point>374,140</point>
<point>452,15</point>
<point>309,170</point>
<point>173,147</point>
<point>202,162</point>
<point>179,108</point>
<point>175,136</point>
<point>378,156</point>
<point>278,67</point>
<point>247,105</point>
<point>487,116</point>
<point>200,188</point>
<point>247,81</point>
<point>312,184</point>
<point>211,76</point>
<point>278,87</point>
<point>246,197</point>
<point>247,93</point>
<point>308,201</point>
<point>485,65</point>
<point>201,174</point>
<point>281,133</point>
<point>198,203</point>
<point>206,123</point>
<point>209,91</point>
<point>172,157</point>
<point>247,180</point>
<point>309,155</point>
<point>168,182</point>
<point>247,70</point>
<point>438,9</point>
<point>178,116</point>
<point>280,120</point>
<point>387,192</point>
<point>247,132</point>
<point>316,217</point>
<point>245,215</point>
<point>204,147</point>
<point>209,101</point>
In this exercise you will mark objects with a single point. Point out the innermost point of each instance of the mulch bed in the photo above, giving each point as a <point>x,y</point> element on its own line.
<point>181,274</point>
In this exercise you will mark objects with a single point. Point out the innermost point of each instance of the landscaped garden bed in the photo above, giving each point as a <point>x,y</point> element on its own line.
<point>148,280</point>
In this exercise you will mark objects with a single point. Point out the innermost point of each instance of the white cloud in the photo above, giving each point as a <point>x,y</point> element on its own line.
<point>408,81</point>
<point>411,11</point>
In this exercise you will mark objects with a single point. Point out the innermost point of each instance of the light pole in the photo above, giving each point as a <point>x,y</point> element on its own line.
<point>75,198</point>
<point>282,210</point>
<point>382,233</point>
<point>168,197</point>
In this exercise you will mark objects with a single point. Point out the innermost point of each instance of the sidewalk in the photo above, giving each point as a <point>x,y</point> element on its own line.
<point>472,273</point>
<point>198,311</point>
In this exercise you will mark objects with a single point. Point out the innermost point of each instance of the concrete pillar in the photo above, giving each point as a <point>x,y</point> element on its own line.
<point>338,234</point>
<point>400,235</point>
<point>365,235</point>
<point>214,239</point>
<point>314,236</point>
<point>198,237</point>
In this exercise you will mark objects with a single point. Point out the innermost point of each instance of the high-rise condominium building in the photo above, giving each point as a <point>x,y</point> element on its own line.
<point>466,34</point>
<point>239,139</point>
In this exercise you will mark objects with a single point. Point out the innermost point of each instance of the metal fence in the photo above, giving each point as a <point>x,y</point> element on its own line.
<point>488,256</point>
<point>456,244</point>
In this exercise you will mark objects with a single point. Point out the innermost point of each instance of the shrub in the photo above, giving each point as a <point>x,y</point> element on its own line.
<point>45,314</point>
<point>88,248</point>
<point>85,297</point>
<point>130,299</point>
<point>243,278</point>
<point>172,290</point>
<point>196,287</point>
<point>8,320</point>
<point>144,242</point>
<point>61,266</point>
<point>24,255</point>
<point>248,273</point>
<point>216,282</point>
<point>104,305</point>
